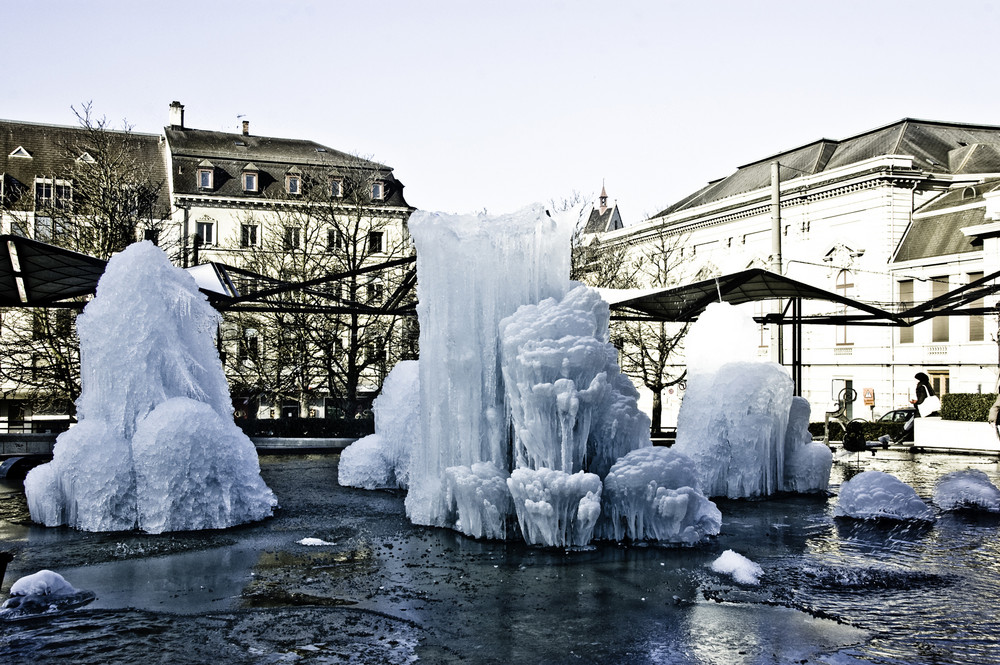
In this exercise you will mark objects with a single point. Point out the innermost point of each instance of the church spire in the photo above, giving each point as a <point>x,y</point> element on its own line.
<point>604,199</point>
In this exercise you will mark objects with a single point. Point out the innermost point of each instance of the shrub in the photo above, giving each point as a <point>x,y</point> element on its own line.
<point>870,431</point>
<point>970,407</point>
<point>329,428</point>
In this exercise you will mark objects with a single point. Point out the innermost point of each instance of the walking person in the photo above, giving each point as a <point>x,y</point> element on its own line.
<point>925,404</point>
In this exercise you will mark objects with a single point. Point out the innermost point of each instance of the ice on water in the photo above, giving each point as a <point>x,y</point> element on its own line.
<point>878,495</point>
<point>738,420</point>
<point>382,460</point>
<point>156,446</point>
<point>737,566</point>
<point>41,593</point>
<point>969,489</point>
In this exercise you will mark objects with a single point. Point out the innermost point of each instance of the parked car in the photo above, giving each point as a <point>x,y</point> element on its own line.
<point>897,415</point>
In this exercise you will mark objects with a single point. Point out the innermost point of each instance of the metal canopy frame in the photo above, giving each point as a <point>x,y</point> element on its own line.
<point>36,274</point>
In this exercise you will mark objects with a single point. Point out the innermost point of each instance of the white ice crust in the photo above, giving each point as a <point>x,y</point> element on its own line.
<point>738,421</point>
<point>968,489</point>
<point>878,495</point>
<point>156,447</point>
<point>42,583</point>
<point>737,566</point>
<point>382,460</point>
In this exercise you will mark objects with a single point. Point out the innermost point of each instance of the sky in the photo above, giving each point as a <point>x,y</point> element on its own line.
<point>492,106</point>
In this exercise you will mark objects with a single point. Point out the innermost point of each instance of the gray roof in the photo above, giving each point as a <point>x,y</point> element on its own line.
<point>230,154</point>
<point>54,149</point>
<point>599,222</point>
<point>938,147</point>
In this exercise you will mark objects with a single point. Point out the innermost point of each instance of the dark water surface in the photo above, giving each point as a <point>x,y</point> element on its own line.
<point>833,591</point>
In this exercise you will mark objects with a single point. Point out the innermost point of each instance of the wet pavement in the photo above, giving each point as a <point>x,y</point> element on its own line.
<point>384,591</point>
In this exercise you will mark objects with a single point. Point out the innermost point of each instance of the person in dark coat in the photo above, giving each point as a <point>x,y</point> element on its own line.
<point>923,391</point>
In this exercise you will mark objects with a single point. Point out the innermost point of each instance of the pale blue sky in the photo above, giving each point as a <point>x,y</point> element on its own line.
<point>497,105</point>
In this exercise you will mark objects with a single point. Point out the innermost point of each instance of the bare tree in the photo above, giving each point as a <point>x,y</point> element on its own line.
<point>106,194</point>
<point>341,227</point>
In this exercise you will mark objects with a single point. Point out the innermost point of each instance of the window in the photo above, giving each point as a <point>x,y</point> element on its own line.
<point>378,190</point>
<point>205,232</point>
<point>336,188</point>
<point>940,324</point>
<point>375,291</point>
<point>293,184</point>
<point>43,193</point>
<point>292,234</point>
<point>845,282</point>
<point>335,240</point>
<point>248,235</point>
<point>249,346</point>
<point>374,242</point>
<point>19,151</point>
<point>250,178</point>
<point>906,302</point>
<point>976,321</point>
<point>205,178</point>
<point>152,235</point>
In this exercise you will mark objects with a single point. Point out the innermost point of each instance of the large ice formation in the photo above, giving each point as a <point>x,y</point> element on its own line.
<point>382,460</point>
<point>738,419</point>
<point>523,409</point>
<point>156,446</point>
<point>969,489</point>
<point>877,495</point>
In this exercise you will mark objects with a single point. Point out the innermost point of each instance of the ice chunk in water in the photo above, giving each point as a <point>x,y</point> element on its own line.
<point>147,346</point>
<point>652,494</point>
<point>41,593</point>
<point>740,568</point>
<point>970,488</point>
<point>875,495</point>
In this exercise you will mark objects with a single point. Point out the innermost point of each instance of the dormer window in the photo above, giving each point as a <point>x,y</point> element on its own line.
<point>19,151</point>
<point>378,190</point>
<point>293,181</point>
<point>85,158</point>
<point>250,179</point>
<point>336,188</point>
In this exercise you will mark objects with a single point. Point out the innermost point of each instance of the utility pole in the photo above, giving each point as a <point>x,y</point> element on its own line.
<point>777,339</point>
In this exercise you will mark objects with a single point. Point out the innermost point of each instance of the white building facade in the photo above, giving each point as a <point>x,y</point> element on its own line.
<point>895,216</point>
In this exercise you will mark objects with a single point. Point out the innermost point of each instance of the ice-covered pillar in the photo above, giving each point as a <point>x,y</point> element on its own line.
<point>472,271</point>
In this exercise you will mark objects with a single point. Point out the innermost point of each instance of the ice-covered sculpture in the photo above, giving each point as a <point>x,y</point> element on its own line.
<point>523,409</point>
<point>156,447</point>
<point>382,460</point>
<point>734,419</point>
<point>877,495</point>
<point>473,270</point>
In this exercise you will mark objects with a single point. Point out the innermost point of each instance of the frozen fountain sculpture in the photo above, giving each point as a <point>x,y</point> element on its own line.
<point>527,425</point>
<point>155,447</point>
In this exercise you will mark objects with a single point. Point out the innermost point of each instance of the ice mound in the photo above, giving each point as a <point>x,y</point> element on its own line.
<point>738,420</point>
<point>382,460</point>
<point>571,407</point>
<point>807,463</point>
<point>737,566</point>
<point>555,508</point>
<point>149,363</point>
<point>969,489</point>
<point>481,499</point>
<point>652,494</point>
<point>877,495</point>
<point>40,593</point>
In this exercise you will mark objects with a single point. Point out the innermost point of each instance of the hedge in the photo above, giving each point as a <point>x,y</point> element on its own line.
<point>970,407</point>
<point>871,431</point>
<point>328,428</point>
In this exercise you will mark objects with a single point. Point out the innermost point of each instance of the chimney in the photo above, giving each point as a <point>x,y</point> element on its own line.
<point>176,115</point>
<point>246,128</point>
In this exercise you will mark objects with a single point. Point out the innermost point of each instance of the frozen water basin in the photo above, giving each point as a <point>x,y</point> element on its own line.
<point>832,591</point>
